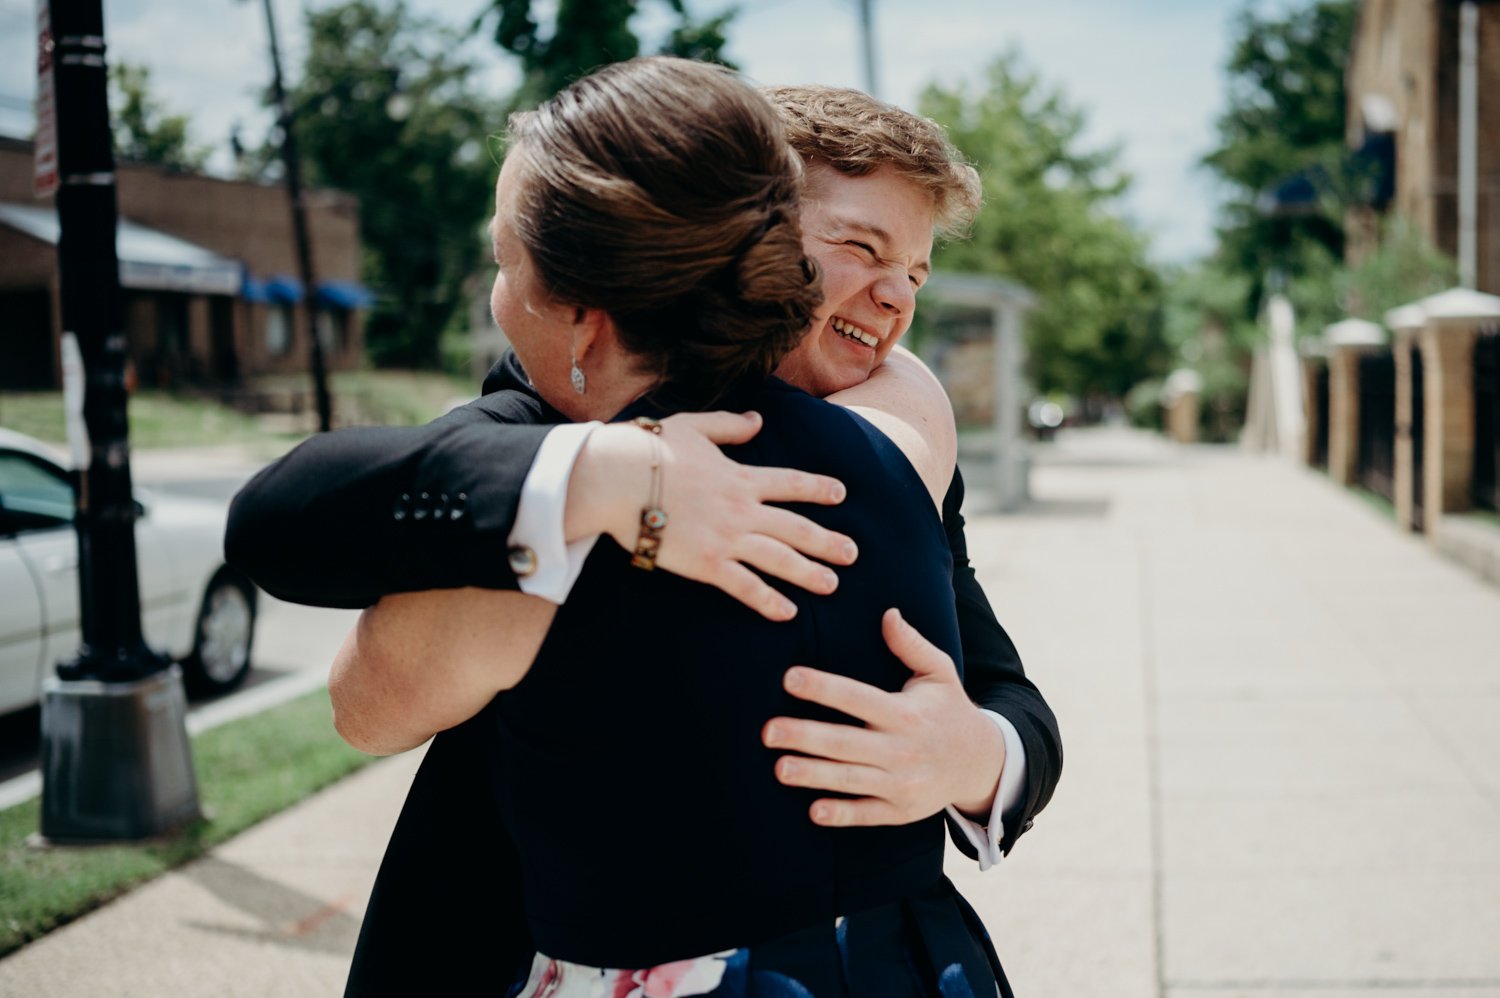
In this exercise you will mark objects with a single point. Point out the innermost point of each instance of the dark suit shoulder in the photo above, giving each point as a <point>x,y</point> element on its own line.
<point>508,405</point>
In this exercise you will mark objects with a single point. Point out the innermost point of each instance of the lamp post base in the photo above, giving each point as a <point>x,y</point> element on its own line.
<point>116,764</point>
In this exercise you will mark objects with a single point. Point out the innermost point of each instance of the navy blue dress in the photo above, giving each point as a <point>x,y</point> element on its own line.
<point>653,836</point>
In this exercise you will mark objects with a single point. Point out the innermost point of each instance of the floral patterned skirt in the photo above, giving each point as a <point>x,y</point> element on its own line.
<point>930,945</point>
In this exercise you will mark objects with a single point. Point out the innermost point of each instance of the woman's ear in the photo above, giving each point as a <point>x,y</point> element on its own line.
<point>593,329</point>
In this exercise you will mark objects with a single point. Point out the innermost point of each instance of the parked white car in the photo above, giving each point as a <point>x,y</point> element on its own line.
<point>193,607</point>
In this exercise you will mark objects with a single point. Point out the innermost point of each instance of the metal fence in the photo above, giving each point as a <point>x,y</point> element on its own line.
<point>1377,424</point>
<point>1418,435</point>
<point>1320,417</point>
<point>1484,491</point>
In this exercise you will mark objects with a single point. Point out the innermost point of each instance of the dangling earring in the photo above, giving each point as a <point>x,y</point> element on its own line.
<point>579,385</point>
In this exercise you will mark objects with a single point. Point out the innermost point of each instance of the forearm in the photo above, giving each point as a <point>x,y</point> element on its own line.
<point>610,483</point>
<point>353,515</point>
<point>980,779</point>
<point>419,663</point>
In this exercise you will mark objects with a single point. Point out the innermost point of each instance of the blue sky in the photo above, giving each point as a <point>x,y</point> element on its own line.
<point>1148,72</point>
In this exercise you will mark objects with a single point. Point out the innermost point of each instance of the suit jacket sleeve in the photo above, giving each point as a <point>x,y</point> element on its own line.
<point>353,515</point>
<point>994,680</point>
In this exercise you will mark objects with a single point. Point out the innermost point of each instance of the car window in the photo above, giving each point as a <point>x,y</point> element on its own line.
<point>32,494</point>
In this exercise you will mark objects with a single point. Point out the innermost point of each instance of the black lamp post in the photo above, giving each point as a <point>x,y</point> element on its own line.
<point>115,756</point>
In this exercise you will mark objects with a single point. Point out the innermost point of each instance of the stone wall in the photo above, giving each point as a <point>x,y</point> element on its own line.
<point>1407,51</point>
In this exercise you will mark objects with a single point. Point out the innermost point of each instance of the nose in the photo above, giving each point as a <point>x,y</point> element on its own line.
<point>894,294</point>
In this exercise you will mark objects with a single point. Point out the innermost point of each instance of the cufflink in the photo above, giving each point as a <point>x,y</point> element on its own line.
<point>522,560</point>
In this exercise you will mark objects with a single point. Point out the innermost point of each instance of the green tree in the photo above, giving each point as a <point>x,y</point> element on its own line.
<point>1404,266</point>
<point>586,34</point>
<point>386,112</point>
<point>1285,117</point>
<point>143,130</point>
<point>1208,331</point>
<point>1050,221</point>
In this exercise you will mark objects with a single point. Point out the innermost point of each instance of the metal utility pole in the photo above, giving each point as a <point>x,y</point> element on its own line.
<point>867,35</point>
<point>292,164</point>
<point>115,756</point>
<point>1468,143</point>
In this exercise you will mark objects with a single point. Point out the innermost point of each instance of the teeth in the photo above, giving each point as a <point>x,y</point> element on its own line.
<point>852,332</point>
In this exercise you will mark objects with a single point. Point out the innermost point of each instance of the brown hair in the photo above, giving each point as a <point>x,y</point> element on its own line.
<point>856,134</point>
<point>661,190</point>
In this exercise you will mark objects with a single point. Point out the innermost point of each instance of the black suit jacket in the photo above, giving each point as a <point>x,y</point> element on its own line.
<point>351,516</point>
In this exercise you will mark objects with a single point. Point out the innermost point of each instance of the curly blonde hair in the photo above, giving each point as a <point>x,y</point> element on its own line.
<point>856,134</point>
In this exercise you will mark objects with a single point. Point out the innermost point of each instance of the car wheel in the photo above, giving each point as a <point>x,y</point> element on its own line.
<point>222,636</point>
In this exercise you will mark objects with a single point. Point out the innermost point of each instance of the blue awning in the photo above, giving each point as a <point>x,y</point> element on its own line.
<point>348,295</point>
<point>284,290</point>
<point>278,290</point>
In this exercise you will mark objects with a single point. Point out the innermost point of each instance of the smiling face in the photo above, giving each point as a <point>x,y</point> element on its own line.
<point>872,236</point>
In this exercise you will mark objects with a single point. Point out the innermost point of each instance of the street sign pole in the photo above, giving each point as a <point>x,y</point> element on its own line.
<point>115,756</point>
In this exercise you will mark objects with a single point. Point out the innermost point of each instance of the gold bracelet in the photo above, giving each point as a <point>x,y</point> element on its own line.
<point>653,517</point>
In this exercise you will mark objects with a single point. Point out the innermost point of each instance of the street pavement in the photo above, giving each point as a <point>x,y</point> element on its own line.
<point>1280,723</point>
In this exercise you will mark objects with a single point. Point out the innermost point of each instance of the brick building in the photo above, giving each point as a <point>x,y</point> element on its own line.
<point>206,268</point>
<point>1403,93</point>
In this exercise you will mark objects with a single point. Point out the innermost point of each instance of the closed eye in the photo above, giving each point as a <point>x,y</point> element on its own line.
<point>865,247</point>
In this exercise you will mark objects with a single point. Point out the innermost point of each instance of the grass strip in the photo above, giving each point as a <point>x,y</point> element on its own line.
<point>157,419</point>
<point>248,770</point>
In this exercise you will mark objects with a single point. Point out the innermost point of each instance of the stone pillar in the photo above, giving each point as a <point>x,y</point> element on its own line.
<point>1405,499</point>
<point>1448,459</point>
<point>1447,341</point>
<point>1343,413</point>
<point>1180,399</point>
<point>1347,341</point>
<point>1405,322</point>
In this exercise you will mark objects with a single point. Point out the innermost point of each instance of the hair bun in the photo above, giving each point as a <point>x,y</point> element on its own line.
<point>663,191</point>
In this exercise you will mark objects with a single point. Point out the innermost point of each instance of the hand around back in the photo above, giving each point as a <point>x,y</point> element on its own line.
<point>921,748</point>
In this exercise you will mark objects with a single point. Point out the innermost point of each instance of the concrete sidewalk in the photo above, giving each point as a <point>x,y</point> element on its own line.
<point>1280,720</point>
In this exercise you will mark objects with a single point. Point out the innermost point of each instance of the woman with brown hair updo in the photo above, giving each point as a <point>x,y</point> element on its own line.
<point>651,262</point>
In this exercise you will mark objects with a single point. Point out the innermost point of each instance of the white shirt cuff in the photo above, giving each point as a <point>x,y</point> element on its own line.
<point>986,839</point>
<point>539,515</point>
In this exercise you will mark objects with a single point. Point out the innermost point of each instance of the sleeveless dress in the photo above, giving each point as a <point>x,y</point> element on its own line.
<point>660,857</point>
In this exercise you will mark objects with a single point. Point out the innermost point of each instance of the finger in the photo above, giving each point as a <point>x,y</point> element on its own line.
<point>776,559</point>
<point>791,485</point>
<point>870,704</point>
<point>860,811</point>
<point>723,427</point>
<point>806,536</point>
<point>751,590</point>
<point>835,742</point>
<point>820,774</point>
<point>920,655</point>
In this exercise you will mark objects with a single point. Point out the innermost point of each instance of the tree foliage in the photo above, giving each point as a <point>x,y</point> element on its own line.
<point>1050,221</point>
<point>386,112</point>
<point>143,130</point>
<point>1285,116</point>
<point>586,34</point>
